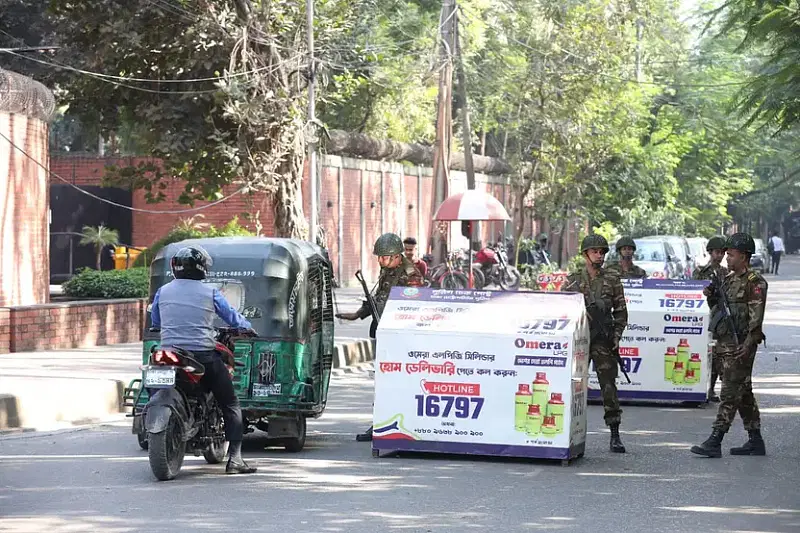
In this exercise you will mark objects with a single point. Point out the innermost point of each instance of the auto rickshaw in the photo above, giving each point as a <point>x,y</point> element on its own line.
<point>284,288</point>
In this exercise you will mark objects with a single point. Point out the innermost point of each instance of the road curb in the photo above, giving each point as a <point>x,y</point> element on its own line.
<point>39,401</point>
<point>351,352</point>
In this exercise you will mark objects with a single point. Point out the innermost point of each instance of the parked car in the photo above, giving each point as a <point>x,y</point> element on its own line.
<point>697,245</point>
<point>681,252</point>
<point>656,257</point>
<point>759,261</point>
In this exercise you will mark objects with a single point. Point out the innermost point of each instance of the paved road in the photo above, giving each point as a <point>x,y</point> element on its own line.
<point>96,479</point>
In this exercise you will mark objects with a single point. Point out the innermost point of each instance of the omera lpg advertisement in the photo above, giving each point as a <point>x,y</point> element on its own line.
<point>666,347</point>
<point>482,372</point>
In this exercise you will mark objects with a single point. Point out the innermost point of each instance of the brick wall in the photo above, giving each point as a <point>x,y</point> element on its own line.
<point>24,208</point>
<point>72,325</point>
<point>5,330</point>
<point>359,200</point>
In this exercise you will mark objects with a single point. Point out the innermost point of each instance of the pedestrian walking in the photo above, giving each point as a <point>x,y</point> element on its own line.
<point>777,251</point>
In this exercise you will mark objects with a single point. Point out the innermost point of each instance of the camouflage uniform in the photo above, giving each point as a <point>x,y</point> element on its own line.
<point>634,272</point>
<point>708,272</point>
<point>747,296</point>
<point>405,275</point>
<point>605,288</point>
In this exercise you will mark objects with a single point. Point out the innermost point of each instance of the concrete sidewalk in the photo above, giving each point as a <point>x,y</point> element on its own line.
<point>45,390</point>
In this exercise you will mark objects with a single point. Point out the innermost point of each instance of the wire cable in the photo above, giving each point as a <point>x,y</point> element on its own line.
<point>110,202</point>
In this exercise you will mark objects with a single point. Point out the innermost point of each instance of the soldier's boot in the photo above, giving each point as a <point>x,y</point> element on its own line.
<point>366,436</point>
<point>753,446</point>
<point>712,447</point>
<point>616,445</point>
<point>712,396</point>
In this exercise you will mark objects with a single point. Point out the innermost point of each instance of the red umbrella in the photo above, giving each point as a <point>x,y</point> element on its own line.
<point>472,206</point>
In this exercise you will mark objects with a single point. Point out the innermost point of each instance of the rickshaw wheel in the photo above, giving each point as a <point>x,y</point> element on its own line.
<point>296,444</point>
<point>142,438</point>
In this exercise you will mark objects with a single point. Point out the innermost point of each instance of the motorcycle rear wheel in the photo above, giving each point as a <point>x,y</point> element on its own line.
<point>216,451</point>
<point>166,450</point>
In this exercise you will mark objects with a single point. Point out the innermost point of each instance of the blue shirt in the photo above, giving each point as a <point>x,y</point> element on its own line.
<point>185,309</point>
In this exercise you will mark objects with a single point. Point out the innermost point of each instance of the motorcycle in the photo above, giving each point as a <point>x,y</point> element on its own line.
<point>181,416</point>
<point>493,261</point>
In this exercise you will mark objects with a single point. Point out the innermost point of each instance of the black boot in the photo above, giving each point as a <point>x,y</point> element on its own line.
<point>616,445</point>
<point>712,445</point>
<point>366,436</point>
<point>236,464</point>
<point>753,446</point>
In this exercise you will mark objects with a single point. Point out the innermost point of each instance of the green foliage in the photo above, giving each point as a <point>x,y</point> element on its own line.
<point>88,283</point>
<point>191,229</point>
<point>99,237</point>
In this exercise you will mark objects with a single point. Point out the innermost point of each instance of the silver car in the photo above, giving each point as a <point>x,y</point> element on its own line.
<point>682,252</point>
<point>699,252</point>
<point>653,256</point>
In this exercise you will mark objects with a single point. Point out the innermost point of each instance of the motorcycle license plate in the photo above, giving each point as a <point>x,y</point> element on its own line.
<point>159,378</point>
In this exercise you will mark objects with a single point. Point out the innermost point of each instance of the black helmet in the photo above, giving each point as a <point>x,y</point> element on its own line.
<point>542,237</point>
<point>191,262</point>
<point>388,244</point>
<point>594,241</point>
<point>625,241</point>
<point>742,242</point>
<point>717,242</point>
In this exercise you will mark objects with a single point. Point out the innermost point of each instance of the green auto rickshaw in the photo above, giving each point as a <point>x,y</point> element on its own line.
<point>284,288</point>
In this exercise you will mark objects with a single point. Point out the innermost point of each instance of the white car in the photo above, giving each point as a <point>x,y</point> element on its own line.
<point>697,246</point>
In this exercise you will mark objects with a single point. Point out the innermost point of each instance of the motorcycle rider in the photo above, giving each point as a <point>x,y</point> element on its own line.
<point>625,269</point>
<point>716,247</point>
<point>396,271</point>
<point>184,309</point>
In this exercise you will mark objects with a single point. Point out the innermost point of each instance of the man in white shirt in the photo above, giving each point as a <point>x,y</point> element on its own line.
<point>777,251</point>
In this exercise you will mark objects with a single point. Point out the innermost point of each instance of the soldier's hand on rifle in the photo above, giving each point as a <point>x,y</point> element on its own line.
<point>347,316</point>
<point>708,291</point>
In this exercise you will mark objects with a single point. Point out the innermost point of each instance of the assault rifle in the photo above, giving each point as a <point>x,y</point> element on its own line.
<point>603,323</point>
<point>370,300</point>
<point>723,308</point>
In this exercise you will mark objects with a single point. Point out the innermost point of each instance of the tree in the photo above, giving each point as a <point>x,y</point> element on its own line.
<point>768,27</point>
<point>214,91</point>
<point>99,237</point>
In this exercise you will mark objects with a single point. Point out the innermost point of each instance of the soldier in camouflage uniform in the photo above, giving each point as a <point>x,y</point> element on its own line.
<point>625,269</point>
<point>746,293</point>
<point>716,248</point>
<point>396,271</point>
<point>608,317</point>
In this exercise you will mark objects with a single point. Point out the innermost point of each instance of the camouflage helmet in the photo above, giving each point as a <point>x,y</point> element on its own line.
<point>625,241</point>
<point>594,241</point>
<point>388,244</point>
<point>717,242</point>
<point>742,242</point>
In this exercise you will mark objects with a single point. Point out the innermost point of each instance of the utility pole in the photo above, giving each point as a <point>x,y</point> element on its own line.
<point>312,122</point>
<point>444,125</point>
<point>466,129</point>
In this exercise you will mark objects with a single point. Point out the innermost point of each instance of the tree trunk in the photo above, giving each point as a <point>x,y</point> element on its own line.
<point>287,200</point>
<point>99,257</point>
<point>359,145</point>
